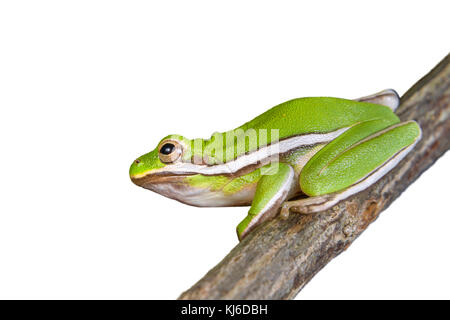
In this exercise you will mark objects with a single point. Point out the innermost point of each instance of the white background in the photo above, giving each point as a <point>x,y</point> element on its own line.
<point>87,86</point>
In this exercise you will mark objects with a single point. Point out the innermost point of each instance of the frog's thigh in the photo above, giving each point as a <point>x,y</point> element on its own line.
<point>353,169</point>
<point>271,192</point>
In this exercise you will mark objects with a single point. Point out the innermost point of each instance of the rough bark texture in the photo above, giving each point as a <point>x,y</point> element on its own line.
<point>278,258</point>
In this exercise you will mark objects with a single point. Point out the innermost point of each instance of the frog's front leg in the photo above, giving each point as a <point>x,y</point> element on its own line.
<point>272,190</point>
<point>345,166</point>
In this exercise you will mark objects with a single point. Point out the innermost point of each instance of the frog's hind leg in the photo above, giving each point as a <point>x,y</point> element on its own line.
<point>388,97</point>
<point>340,172</point>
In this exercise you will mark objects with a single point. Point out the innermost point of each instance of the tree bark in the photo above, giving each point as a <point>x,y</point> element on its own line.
<point>277,259</point>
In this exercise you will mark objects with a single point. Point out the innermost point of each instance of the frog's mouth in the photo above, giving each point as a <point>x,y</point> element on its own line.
<point>155,180</point>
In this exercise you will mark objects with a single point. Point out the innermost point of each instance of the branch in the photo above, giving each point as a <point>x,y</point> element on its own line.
<point>277,259</point>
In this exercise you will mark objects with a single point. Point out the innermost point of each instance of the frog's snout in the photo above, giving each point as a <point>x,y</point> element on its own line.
<point>134,168</point>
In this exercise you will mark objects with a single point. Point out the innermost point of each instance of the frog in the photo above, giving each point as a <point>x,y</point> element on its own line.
<point>303,156</point>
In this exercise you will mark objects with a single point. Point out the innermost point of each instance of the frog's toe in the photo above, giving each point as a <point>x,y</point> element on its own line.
<point>284,213</point>
<point>308,205</point>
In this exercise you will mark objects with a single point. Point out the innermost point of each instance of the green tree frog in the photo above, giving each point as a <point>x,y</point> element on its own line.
<point>304,155</point>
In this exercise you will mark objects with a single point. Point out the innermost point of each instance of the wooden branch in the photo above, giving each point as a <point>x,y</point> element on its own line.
<point>278,258</point>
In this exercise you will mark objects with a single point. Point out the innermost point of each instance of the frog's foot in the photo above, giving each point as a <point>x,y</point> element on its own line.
<point>388,98</point>
<point>309,205</point>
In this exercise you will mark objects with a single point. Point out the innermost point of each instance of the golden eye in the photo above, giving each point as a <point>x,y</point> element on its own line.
<point>170,151</point>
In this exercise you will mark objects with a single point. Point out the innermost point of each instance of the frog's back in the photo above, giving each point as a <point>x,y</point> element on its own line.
<point>317,114</point>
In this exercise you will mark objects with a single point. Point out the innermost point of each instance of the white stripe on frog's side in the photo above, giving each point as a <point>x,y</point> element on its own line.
<point>263,156</point>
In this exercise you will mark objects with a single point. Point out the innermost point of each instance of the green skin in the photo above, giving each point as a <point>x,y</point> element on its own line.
<point>345,146</point>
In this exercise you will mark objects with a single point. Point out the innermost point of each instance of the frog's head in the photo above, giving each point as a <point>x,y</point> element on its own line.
<point>165,164</point>
<point>167,169</point>
<point>188,171</point>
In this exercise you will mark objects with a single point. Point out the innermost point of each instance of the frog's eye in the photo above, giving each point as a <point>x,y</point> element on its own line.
<point>170,151</point>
